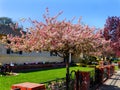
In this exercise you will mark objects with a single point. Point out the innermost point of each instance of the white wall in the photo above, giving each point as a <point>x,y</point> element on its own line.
<point>2,49</point>
<point>77,58</point>
<point>27,57</point>
<point>30,59</point>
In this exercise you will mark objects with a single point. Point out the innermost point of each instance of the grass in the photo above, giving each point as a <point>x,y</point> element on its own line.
<point>116,68</point>
<point>37,76</point>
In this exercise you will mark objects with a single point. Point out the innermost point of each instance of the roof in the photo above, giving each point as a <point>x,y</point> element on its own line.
<point>5,30</point>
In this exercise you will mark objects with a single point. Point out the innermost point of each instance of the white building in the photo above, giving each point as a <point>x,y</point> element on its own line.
<point>8,56</point>
<point>22,57</point>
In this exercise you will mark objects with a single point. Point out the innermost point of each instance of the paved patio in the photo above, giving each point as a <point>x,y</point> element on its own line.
<point>113,83</point>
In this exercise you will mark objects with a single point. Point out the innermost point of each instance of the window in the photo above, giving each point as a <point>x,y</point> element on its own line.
<point>52,53</point>
<point>9,51</point>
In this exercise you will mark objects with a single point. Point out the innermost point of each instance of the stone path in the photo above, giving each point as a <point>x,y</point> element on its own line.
<point>112,84</point>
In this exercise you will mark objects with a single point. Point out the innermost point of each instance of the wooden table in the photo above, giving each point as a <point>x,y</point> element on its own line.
<point>29,86</point>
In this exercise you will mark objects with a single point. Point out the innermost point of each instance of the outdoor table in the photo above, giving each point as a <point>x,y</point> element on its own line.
<point>29,86</point>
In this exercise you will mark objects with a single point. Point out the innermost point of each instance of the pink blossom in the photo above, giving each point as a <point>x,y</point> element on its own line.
<point>61,36</point>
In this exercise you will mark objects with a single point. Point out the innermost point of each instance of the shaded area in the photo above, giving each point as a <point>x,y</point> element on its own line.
<point>112,83</point>
<point>109,87</point>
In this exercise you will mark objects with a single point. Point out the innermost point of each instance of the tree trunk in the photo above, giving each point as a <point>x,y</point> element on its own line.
<point>67,72</point>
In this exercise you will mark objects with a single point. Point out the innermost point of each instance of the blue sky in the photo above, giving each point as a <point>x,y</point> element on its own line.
<point>93,12</point>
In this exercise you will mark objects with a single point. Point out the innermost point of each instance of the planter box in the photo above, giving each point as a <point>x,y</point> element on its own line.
<point>82,81</point>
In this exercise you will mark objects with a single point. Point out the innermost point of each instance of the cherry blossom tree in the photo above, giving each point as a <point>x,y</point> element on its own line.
<point>112,33</point>
<point>62,37</point>
<point>101,46</point>
<point>105,49</point>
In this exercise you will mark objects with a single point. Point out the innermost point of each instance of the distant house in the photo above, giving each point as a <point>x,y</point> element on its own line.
<point>8,56</point>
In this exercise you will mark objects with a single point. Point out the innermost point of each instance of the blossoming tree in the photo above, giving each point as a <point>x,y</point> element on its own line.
<point>112,33</point>
<point>62,37</point>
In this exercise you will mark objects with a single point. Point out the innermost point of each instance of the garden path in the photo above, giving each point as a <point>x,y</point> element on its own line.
<point>112,83</point>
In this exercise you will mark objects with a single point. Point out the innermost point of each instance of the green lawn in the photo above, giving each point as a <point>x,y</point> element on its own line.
<point>116,68</point>
<point>36,76</point>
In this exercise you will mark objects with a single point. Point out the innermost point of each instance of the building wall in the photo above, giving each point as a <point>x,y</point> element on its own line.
<point>31,57</point>
<point>28,59</point>
<point>77,58</point>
